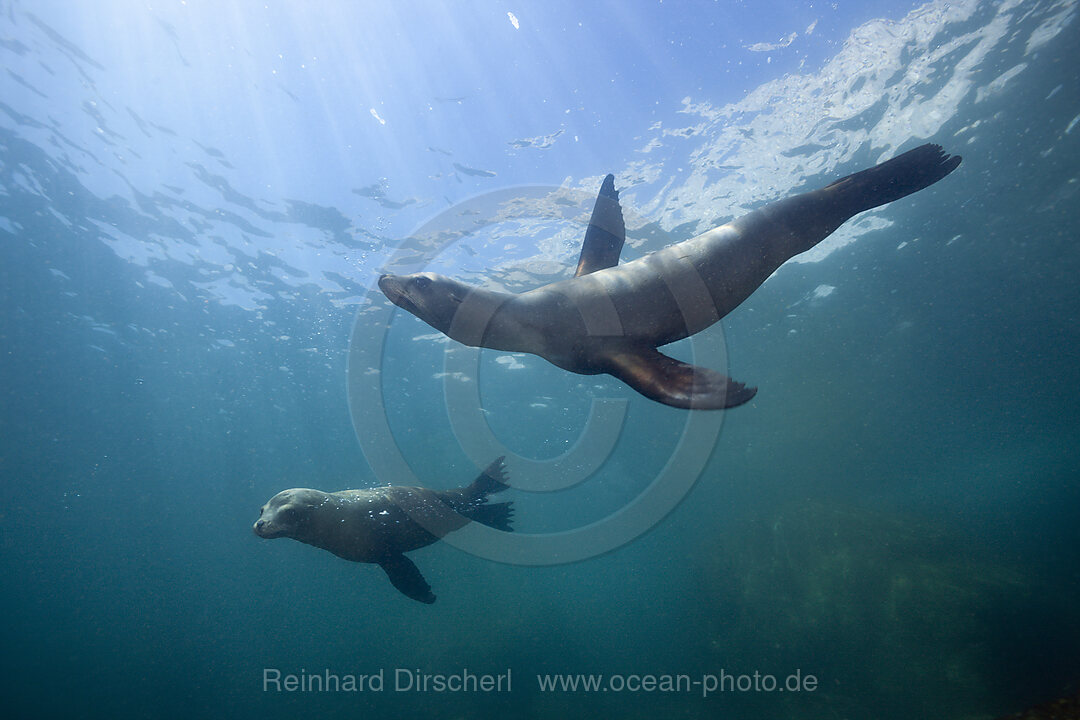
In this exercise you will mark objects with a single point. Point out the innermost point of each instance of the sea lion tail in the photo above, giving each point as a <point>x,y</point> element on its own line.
<point>494,515</point>
<point>893,179</point>
<point>471,501</point>
<point>492,480</point>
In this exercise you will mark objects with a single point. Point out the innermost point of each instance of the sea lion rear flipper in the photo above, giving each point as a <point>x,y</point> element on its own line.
<point>406,577</point>
<point>675,383</point>
<point>905,174</point>
<point>493,479</point>
<point>606,233</point>
<point>471,501</point>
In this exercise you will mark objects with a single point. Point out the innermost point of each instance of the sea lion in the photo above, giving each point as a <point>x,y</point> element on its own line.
<point>381,524</point>
<point>610,318</point>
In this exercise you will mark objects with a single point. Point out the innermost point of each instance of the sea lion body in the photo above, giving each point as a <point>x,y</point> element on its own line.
<point>641,294</point>
<point>360,525</point>
<point>379,525</point>
<point>610,318</point>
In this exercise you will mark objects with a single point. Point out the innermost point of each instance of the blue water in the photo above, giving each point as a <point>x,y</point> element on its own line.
<point>196,200</point>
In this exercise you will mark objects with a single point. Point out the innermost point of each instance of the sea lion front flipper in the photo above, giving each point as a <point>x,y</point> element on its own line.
<point>606,233</point>
<point>674,382</point>
<point>406,577</point>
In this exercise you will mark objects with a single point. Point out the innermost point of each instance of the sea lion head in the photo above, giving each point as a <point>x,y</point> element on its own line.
<point>435,299</point>
<point>288,514</point>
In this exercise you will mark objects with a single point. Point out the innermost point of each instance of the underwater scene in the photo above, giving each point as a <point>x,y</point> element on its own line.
<point>339,379</point>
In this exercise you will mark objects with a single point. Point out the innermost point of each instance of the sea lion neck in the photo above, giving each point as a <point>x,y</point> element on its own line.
<point>485,319</point>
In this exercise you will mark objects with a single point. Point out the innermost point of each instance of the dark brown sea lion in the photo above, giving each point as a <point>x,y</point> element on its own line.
<point>381,524</point>
<point>610,318</point>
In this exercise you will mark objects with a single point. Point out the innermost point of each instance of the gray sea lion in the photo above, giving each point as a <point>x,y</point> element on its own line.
<point>610,318</point>
<point>381,524</point>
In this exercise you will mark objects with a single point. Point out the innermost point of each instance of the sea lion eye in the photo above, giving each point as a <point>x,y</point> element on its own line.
<point>422,282</point>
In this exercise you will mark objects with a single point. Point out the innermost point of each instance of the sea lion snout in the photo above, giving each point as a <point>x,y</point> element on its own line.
<point>392,286</point>
<point>265,529</point>
<point>268,530</point>
<point>396,290</point>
